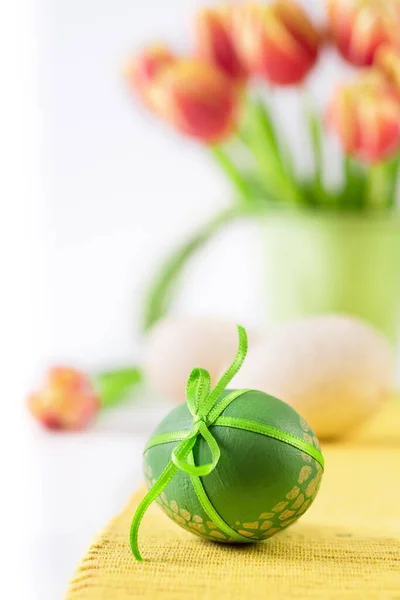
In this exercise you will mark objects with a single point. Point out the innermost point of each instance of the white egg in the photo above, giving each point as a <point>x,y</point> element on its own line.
<point>335,371</point>
<point>178,344</point>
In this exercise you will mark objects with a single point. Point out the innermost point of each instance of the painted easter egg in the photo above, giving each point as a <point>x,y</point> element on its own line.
<point>233,466</point>
<point>268,474</point>
<point>337,371</point>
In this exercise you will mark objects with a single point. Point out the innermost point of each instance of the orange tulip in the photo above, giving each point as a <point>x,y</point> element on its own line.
<point>144,68</point>
<point>366,117</point>
<point>215,43</point>
<point>387,60</point>
<point>198,99</point>
<point>277,41</point>
<point>360,27</point>
<point>66,400</point>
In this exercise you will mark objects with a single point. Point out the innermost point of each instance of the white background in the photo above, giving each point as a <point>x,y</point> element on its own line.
<point>95,193</point>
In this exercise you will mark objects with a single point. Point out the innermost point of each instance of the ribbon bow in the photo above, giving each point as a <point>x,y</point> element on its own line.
<point>205,409</point>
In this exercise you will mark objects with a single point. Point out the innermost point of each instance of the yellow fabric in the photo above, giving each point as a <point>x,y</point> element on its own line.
<point>347,545</point>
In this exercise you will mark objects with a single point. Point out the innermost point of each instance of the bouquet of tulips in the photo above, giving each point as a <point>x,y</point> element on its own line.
<point>218,96</point>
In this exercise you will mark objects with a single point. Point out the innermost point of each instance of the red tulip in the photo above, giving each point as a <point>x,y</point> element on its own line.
<point>215,43</point>
<point>146,66</point>
<point>360,27</point>
<point>366,117</point>
<point>277,41</point>
<point>198,99</point>
<point>387,60</point>
<point>66,400</point>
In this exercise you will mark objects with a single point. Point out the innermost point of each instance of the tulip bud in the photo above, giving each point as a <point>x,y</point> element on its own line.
<point>387,60</point>
<point>66,400</point>
<point>360,27</point>
<point>215,43</point>
<point>277,41</point>
<point>198,99</point>
<point>144,68</point>
<point>366,117</point>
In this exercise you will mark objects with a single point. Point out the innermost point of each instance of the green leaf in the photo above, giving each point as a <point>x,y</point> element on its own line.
<point>162,289</point>
<point>115,386</point>
<point>275,170</point>
<point>234,174</point>
<point>316,139</point>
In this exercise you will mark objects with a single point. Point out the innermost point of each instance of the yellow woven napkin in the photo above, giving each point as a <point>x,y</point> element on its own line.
<point>346,546</point>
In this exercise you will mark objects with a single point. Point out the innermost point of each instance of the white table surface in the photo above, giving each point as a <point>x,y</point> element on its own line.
<point>80,482</point>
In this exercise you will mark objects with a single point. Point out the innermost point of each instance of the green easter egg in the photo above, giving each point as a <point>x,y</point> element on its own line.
<point>267,476</point>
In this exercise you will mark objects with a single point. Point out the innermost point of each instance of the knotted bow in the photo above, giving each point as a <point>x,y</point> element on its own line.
<point>205,409</point>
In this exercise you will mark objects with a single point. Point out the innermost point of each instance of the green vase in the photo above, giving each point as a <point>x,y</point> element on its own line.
<point>326,263</point>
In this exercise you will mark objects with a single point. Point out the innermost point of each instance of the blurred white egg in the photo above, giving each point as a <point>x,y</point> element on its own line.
<point>178,344</point>
<point>335,371</point>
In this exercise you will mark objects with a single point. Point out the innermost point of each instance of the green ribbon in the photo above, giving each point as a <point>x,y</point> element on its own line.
<point>205,409</point>
<point>205,406</point>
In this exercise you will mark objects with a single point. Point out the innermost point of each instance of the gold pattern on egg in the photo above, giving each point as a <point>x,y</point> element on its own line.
<point>266,515</point>
<point>286,515</point>
<point>272,532</point>
<point>304,425</point>
<point>246,533</point>
<point>298,502</point>
<point>198,519</point>
<point>194,524</point>
<point>294,492</point>
<point>197,527</point>
<point>310,491</point>
<point>217,534</point>
<point>308,438</point>
<point>289,522</point>
<point>252,525</point>
<point>304,507</point>
<point>304,474</point>
<point>279,507</point>
<point>316,442</point>
<point>185,514</point>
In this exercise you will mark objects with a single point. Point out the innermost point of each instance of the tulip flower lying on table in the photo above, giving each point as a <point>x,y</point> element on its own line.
<point>218,95</point>
<point>69,399</point>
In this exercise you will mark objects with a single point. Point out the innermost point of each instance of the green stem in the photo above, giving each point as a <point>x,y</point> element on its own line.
<point>316,138</point>
<point>262,141</point>
<point>394,181</point>
<point>159,295</point>
<point>234,175</point>
<point>379,186</point>
<point>353,196</point>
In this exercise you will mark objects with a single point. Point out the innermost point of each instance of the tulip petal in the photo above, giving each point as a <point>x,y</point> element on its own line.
<point>278,41</point>
<point>360,27</point>
<point>215,42</point>
<point>198,100</point>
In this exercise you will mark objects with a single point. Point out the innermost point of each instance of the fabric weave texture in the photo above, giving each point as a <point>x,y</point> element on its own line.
<point>346,547</point>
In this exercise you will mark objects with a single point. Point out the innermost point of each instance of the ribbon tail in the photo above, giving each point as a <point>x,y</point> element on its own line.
<point>166,476</point>
<point>161,483</point>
